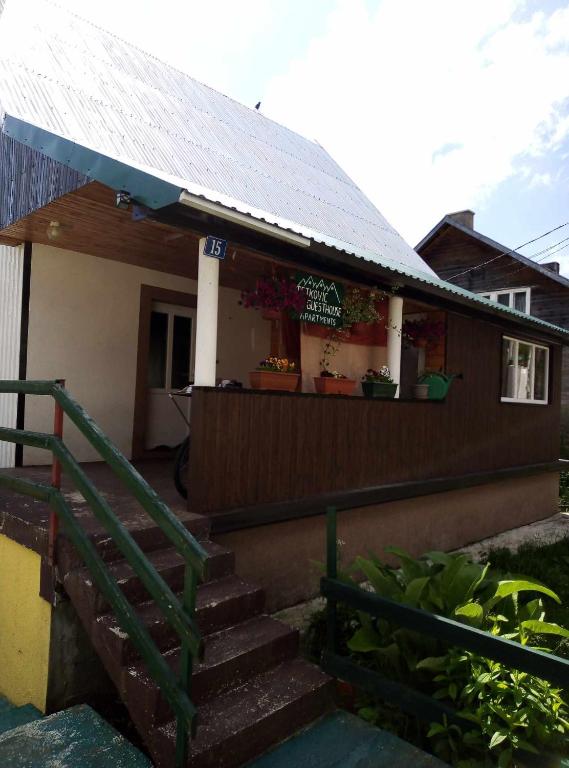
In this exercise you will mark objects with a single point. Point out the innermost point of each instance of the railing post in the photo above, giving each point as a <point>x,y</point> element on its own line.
<point>189,605</point>
<point>331,573</point>
<point>55,479</point>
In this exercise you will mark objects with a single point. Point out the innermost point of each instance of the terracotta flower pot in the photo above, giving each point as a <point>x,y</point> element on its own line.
<point>330,385</point>
<point>286,382</point>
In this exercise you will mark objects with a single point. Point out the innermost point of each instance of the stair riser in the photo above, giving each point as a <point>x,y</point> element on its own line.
<point>154,709</point>
<point>210,619</point>
<point>148,539</point>
<point>246,744</point>
<point>219,565</point>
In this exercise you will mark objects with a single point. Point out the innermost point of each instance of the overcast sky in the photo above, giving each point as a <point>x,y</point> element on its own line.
<point>430,106</point>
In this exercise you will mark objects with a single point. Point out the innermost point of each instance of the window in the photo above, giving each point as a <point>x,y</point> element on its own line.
<point>525,372</point>
<point>170,353</point>
<point>515,298</point>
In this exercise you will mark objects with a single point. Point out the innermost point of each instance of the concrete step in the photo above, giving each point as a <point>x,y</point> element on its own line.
<point>341,740</point>
<point>220,604</point>
<point>74,738</point>
<point>12,717</point>
<point>232,656</point>
<point>167,562</point>
<point>245,722</point>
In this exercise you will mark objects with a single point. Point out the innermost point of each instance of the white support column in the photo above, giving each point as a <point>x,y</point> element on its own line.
<point>206,319</point>
<point>394,335</point>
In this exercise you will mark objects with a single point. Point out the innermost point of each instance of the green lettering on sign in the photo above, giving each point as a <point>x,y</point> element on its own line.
<point>324,300</point>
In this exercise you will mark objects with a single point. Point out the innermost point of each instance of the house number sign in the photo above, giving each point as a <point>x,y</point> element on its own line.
<point>215,247</point>
<point>323,300</point>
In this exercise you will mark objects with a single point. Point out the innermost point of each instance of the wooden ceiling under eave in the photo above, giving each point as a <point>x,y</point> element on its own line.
<point>91,223</point>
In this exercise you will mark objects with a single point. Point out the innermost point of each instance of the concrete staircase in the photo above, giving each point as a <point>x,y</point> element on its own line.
<point>251,689</point>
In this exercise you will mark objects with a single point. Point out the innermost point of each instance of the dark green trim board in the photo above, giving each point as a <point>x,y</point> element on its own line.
<point>280,512</point>
<point>24,329</point>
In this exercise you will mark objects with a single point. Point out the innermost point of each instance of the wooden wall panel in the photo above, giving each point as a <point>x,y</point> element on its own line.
<point>251,448</point>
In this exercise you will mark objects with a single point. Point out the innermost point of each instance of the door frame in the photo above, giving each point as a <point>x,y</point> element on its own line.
<point>148,295</point>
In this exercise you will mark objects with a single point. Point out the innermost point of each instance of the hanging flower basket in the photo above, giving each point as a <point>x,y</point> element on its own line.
<point>274,295</point>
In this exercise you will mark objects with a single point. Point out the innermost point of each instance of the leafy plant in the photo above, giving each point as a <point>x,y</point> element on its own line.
<point>426,330</point>
<point>504,710</point>
<point>383,376</point>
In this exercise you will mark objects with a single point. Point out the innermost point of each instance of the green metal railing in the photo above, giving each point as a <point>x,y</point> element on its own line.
<point>179,614</point>
<point>422,706</point>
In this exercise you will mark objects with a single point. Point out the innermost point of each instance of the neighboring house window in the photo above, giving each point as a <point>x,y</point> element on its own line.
<point>525,371</point>
<point>515,298</point>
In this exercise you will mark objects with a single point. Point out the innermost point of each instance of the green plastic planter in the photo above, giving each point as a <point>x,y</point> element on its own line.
<point>379,389</point>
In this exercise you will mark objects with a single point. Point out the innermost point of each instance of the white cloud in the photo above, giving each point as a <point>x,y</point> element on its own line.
<point>429,106</point>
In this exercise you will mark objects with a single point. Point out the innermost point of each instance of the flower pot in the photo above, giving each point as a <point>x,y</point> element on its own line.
<point>421,391</point>
<point>286,382</point>
<point>330,385</point>
<point>271,314</point>
<point>380,389</point>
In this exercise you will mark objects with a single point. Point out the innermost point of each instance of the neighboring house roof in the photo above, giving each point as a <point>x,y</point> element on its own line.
<point>118,115</point>
<point>448,221</point>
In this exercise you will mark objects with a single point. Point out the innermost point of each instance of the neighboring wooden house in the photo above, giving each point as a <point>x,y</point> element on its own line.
<point>465,257</point>
<point>114,170</point>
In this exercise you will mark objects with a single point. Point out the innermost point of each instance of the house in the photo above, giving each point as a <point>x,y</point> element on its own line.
<point>465,257</point>
<point>122,182</point>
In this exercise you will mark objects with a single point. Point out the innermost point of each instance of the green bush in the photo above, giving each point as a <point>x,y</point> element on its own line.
<point>503,710</point>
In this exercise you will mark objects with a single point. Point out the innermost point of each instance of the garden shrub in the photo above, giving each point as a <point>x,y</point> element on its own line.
<point>504,710</point>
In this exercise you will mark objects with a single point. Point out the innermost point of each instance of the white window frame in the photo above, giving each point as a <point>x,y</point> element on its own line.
<point>521,400</point>
<point>171,310</point>
<point>493,296</point>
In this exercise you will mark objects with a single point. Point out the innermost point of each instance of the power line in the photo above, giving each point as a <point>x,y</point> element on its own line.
<point>504,275</point>
<point>506,253</point>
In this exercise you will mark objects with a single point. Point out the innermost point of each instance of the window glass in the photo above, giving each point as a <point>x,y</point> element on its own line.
<point>508,368</point>
<point>181,346</point>
<point>157,350</point>
<point>520,301</point>
<point>540,378</point>
<point>524,372</point>
<point>504,299</point>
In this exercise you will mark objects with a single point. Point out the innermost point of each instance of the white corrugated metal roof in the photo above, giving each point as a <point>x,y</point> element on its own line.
<point>66,76</point>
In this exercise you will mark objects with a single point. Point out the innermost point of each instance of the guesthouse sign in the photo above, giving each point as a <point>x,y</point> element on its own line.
<point>323,300</point>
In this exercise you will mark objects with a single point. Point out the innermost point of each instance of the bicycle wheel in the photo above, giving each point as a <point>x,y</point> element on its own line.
<point>181,468</point>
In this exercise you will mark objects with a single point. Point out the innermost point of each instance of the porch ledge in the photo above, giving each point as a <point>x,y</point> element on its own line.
<point>279,512</point>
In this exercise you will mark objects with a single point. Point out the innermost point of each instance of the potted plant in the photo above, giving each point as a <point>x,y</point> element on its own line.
<point>333,383</point>
<point>275,373</point>
<point>424,333</point>
<point>379,383</point>
<point>274,295</point>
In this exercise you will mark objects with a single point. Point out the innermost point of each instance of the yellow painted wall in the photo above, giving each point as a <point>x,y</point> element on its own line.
<point>25,624</point>
<point>84,314</point>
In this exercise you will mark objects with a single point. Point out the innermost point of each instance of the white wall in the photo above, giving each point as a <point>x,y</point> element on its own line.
<point>352,360</point>
<point>11,267</point>
<point>84,314</point>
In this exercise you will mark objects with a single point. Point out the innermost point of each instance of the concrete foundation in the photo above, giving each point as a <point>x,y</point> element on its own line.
<point>284,558</point>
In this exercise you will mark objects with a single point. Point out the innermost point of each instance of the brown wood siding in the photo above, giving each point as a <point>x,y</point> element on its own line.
<point>452,252</point>
<point>251,448</point>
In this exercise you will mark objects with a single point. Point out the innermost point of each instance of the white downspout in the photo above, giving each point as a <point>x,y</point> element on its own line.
<point>394,334</point>
<point>206,319</point>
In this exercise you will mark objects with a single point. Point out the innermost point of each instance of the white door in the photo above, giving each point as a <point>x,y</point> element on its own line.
<point>170,367</point>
